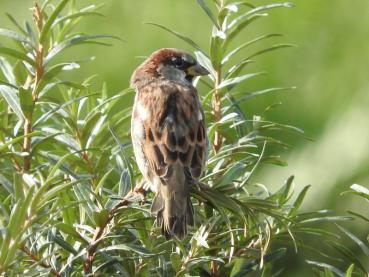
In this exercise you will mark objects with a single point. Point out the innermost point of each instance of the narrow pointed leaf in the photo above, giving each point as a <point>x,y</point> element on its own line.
<point>51,19</point>
<point>78,39</point>
<point>26,102</point>
<point>244,45</point>
<point>361,244</point>
<point>7,70</point>
<point>237,80</point>
<point>74,16</point>
<point>182,37</point>
<point>12,99</point>
<point>14,35</point>
<point>16,54</point>
<point>207,10</point>
<point>16,24</point>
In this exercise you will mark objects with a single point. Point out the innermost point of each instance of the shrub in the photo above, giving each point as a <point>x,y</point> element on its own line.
<point>71,196</point>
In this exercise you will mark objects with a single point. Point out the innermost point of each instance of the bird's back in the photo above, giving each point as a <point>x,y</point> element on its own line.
<point>173,144</point>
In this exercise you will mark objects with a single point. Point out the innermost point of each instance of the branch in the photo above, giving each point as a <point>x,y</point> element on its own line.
<point>38,260</point>
<point>38,18</point>
<point>99,231</point>
<point>217,112</point>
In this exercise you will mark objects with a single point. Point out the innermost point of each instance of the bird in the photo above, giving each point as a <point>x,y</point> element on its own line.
<point>168,135</point>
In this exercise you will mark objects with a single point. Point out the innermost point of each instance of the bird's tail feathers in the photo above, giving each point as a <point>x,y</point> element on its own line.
<point>173,215</point>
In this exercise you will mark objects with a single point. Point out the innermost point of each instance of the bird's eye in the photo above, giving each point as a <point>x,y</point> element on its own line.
<point>178,62</point>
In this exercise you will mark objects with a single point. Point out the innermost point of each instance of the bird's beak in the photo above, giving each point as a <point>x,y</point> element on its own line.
<point>197,70</point>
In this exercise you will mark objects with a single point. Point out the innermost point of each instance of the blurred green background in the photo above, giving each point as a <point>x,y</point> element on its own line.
<point>329,68</point>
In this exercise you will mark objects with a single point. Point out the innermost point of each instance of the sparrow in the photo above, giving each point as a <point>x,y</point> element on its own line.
<point>168,135</point>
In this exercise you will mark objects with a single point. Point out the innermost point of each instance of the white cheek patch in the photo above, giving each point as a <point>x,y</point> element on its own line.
<point>142,111</point>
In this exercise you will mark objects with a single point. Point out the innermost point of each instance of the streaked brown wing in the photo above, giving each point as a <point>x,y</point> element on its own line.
<point>174,132</point>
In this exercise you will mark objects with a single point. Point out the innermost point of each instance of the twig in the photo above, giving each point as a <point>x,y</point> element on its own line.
<point>37,15</point>
<point>217,112</point>
<point>38,260</point>
<point>99,230</point>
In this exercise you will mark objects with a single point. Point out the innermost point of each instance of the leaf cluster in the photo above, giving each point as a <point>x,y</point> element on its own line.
<point>71,199</point>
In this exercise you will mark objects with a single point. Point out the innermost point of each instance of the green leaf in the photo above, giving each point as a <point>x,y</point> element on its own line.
<point>300,198</point>
<point>7,70</point>
<point>207,10</point>
<point>182,37</point>
<point>55,190</point>
<point>326,219</point>
<point>359,216</point>
<point>234,172</point>
<point>124,183</point>
<point>130,248</point>
<point>270,49</point>
<point>83,194</point>
<point>67,229</point>
<point>14,35</point>
<point>284,193</point>
<point>205,62</point>
<point>216,48</point>
<point>236,69</point>
<point>51,112</point>
<point>101,217</point>
<point>237,80</point>
<point>18,139</point>
<point>175,258</point>
<point>351,256</point>
<point>258,93</point>
<point>64,244</point>
<point>76,40</point>
<point>56,69</point>
<point>11,97</point>
<point>16,24</point>
<point>49,22</point>
<point>6,183</point>
<point>218,200</point>
<point>96,130</point>
<point>235,29</point>
<point>358,190</point>
<point>326,266</point>
<point>74,16</point>
<point>16,54</point>
<point>361,244</point>
<point>26,102</point>
<point>15,226</point>
<point>89,125</point>
<point>240,19</point>
<point>350,270</point>
<point>244,45</point>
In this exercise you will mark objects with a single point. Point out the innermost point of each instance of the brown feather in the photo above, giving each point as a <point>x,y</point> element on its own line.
<point>172,144</point>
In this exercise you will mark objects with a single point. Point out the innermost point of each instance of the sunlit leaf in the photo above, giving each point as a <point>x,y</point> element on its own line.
<point>16,54</point>
<point>78,39</point>
<point>209,13</point>
<point>327,266</point>
<point>130,248</point>
<point>74,16</point>
<point>51,19</point>
<point>26,102</point>
<point>182,37</point>
<point>237,80</point>
<point>11,97</point>
<point>361,244</point>
<point>14,35</point>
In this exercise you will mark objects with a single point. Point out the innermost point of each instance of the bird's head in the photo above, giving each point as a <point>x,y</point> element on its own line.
<point>168,63</point>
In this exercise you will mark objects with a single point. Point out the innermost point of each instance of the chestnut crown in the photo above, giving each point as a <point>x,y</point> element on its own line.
<point>169,63</point>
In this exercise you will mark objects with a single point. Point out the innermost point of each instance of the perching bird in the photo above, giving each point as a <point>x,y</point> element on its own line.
<point>168,134</point>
